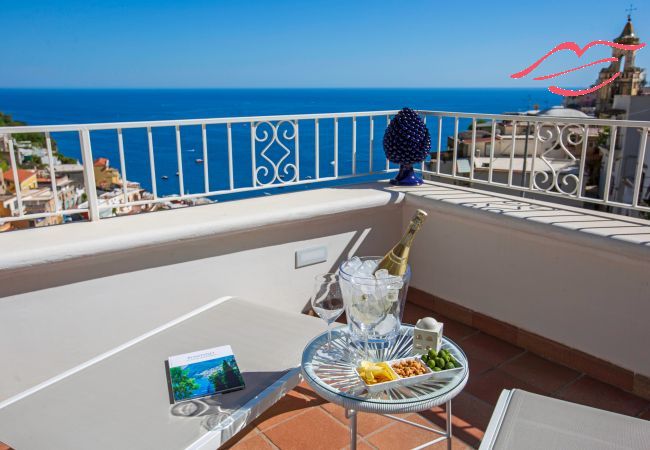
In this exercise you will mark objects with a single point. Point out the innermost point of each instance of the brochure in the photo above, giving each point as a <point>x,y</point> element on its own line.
<point>204,373</point>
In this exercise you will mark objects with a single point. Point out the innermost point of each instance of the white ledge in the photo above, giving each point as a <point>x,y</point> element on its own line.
<point>26,248</point>
<point>611,232</point>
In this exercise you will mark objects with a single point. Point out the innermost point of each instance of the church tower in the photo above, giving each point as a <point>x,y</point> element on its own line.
<point>629,81</point>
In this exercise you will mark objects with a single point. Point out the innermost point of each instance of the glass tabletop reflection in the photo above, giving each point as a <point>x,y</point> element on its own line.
<point>333,369</point>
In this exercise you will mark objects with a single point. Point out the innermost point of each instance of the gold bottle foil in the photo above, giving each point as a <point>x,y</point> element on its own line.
<point>396,260</point>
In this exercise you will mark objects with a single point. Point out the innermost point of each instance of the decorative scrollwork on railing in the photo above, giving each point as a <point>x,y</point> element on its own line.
<point>555,140</point>
<point>269,133</point>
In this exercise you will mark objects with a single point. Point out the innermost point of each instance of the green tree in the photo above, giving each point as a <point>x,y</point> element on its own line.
<point>182,385</point>
<point>66,159</point>
<point>478,121</point>
<point>218,380</point>
<point>226,378</point>
<point>231,375</point>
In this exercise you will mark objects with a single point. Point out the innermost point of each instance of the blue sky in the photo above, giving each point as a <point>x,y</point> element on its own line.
<point>333,43</point>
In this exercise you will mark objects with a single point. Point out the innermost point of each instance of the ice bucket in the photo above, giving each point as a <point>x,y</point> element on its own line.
<point>353,286</point>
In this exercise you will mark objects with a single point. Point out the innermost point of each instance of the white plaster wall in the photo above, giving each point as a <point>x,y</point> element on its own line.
<point>587,292</point>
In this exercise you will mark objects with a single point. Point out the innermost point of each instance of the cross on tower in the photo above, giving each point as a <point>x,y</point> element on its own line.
<point>629,11</point>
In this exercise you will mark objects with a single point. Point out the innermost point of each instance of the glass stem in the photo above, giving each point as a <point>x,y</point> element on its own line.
<point>365,344</point>
<point>329,336</point>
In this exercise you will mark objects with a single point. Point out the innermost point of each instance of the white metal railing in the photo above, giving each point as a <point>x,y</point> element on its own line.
<point>267,134</point>
<point>550,156</point>
<point>553,153</point>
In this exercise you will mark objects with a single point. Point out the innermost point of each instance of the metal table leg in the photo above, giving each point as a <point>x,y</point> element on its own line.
<point>352,415</point>
<point>448,409</point>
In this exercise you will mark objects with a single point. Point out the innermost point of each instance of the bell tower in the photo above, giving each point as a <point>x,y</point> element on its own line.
<point>629,81</point>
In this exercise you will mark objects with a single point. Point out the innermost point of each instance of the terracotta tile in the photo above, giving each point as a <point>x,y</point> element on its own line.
<point>361,445</point>
<point>494,327</point>
<point>478,366</point>
<point>641,386</point>
<point>488,386</point>
<point>454,311</point>
<point>306,391</point>
<point>421,298</point>
<point>546,375</point>
<point>413,312</point>
<point>4,446</point>
<point>489,349</point>
<point>404,436</point>
<point>367,423</point>
<point>470,417</point>
<point>288,406</point>
<point>257,442</point>
<point>247,433</point>
<point>456,444</point>
<point>580,361</point>
<point>590,392</point>
<point>315,429</point>
<point>644,415</point>
<point>455,330</point>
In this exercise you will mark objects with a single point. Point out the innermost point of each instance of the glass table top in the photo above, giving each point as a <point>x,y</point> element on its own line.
<point>334,369</point>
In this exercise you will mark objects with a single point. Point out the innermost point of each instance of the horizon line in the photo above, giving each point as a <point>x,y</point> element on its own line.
<point>261,87</point>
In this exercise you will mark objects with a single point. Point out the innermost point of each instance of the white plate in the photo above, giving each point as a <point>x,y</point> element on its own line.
<point>408,381</point>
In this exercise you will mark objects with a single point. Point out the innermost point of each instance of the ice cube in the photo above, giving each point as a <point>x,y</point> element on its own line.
<point>362,286</point>
<point>382,274</point>
<point>367,268</point>
<point>352,264</point>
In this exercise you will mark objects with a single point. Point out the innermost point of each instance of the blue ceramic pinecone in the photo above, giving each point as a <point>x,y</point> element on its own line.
<point>407,139</point>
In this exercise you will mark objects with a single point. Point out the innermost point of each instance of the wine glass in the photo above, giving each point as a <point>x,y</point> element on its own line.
<point>327,301</point>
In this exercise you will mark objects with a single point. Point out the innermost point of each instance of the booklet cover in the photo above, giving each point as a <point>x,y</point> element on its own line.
<point>204,373</point>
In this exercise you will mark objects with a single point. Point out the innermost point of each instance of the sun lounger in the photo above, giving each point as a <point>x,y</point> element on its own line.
<point>120,399</point>
<point>522,420</point>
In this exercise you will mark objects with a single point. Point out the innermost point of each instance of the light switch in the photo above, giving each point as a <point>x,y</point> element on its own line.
<point>309,256</point>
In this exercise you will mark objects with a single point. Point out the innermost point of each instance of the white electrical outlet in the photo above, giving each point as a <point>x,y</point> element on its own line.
<point>309,256</point>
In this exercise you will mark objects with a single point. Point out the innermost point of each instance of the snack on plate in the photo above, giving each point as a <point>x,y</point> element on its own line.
<point>373,373</point>
<point>409,368</point>
<point>439,361</point>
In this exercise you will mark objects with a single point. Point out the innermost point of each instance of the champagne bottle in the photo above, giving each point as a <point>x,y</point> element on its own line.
<point>396,260</point>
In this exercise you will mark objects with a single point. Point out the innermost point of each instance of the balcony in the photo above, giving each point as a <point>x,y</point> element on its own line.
<point>547,292</point>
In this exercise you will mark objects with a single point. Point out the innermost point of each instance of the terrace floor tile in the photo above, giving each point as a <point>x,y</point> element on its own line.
<point>453,329</point>
<point>489,349</point>
<point>315,429</point>
<point>403,436</point>
<point>257,442</point>
<point>366,423</point>
<point>540,372</point>
<point>470,417</point>
<point>590,392</point>
<point>290,405</point>
<point>488,386</point>
<point>249,432</point>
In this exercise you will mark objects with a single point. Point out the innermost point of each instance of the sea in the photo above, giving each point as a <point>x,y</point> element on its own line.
<point>81,106</point>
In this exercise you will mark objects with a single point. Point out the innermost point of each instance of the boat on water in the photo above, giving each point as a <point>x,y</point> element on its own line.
<point>190,150</point>
<point>165,177</point>
<point>198,161</point>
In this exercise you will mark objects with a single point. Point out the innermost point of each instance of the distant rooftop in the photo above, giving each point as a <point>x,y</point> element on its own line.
<point>561,111</point>
<point>23,174</point>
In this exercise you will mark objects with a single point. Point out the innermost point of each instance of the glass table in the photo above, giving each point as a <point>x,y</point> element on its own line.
<point>331,372</point>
